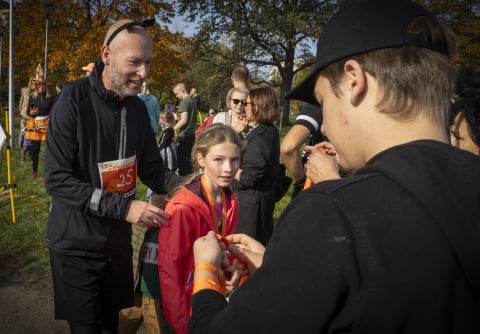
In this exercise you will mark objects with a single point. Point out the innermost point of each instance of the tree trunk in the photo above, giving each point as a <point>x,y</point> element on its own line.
<point>285,87</point>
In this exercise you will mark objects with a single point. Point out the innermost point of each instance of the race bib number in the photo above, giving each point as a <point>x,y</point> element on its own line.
<point>150,253</point>
<point>119,176</point>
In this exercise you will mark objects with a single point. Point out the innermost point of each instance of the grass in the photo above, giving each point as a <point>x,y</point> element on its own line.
<point>23,248</point>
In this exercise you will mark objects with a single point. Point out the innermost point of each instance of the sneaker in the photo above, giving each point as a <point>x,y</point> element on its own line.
<point>34,175</point>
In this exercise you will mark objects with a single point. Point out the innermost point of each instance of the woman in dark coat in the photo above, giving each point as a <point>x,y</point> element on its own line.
<point>254,181</point>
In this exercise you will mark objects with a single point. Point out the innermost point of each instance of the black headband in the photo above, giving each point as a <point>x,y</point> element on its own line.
<point>144,24</point>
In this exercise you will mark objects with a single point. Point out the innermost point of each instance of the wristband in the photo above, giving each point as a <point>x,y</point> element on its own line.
<point>207,266</point>
<point>202,282</point>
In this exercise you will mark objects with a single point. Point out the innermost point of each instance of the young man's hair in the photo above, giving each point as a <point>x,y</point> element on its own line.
<point>181,87</point>
<point>266,106</point>
<point>241,74</point>
<point>412,78</point>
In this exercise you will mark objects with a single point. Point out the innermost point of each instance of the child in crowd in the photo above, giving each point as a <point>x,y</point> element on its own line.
<point>148,300</point>
<point>167,151</point>
<point>23,143</point>
<point>205,202</point>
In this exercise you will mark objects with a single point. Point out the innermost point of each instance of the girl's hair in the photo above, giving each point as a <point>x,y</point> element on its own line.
<point>212,135</point>
<point>266,107</point>
<point>169,118</point>
<point>242,90</point>
<point>31,82</point>
<point>146,88</point>
<point>468,101</point>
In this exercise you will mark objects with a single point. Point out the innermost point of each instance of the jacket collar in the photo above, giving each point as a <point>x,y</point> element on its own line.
<point>109,96</point>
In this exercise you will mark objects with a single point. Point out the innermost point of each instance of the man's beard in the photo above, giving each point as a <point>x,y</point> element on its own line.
<point>120,87</point>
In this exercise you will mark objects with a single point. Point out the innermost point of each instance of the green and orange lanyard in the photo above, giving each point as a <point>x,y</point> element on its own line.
<point>220,225</point>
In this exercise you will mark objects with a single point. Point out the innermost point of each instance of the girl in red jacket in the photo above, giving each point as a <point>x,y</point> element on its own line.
<point>205,202</point>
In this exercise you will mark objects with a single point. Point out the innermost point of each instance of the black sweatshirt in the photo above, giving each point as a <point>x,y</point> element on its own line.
<point>368,254</point>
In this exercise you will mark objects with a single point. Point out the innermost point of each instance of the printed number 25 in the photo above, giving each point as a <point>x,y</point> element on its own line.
<point>126,179</point>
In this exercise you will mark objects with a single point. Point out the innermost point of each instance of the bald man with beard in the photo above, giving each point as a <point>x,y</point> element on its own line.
<point>99,141</point>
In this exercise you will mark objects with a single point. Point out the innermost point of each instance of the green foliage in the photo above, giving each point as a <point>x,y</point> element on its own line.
<point>22,245</point>
<point>210,74</point>
<point>75,35</point>
<point>259,33</point>
<point>463,18</point>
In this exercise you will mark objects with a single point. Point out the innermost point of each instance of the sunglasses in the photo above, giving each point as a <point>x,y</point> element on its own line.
<point>237,101</point>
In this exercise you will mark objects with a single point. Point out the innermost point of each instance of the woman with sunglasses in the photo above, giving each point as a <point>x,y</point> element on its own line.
<point>254,181</point>
<point>235,114</point>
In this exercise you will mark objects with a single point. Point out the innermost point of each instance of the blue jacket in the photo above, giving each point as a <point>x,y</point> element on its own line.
<point>153,109</point>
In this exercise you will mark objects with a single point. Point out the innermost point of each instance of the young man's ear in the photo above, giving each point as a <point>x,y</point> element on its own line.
<point>356,81</point>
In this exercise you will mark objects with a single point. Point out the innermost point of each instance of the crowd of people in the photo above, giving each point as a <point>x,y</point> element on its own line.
<point>381,234</point>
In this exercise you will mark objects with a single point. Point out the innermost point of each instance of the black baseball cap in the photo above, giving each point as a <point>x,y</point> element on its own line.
<point>362,26</point>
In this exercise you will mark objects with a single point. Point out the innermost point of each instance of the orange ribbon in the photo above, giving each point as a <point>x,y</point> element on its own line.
<point>212,207</point>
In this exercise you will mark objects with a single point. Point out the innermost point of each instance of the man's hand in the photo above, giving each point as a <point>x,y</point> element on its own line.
<point>322,163</point>
<point>207,249</point>
<point>146,214</point>
<point>247,249</point>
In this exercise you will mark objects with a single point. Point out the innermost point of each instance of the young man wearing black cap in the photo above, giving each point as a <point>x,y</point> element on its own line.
<point>395,247</point>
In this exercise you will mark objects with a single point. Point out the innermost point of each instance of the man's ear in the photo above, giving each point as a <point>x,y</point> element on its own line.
<point>105,52</point>
<point>356,81</point>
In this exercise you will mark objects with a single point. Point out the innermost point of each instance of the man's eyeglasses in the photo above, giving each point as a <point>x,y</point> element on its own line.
<point>237,101</point>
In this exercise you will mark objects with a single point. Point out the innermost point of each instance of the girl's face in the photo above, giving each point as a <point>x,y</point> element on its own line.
<point>237,103</point>
<point>460,135</point>
<point>220,164</point>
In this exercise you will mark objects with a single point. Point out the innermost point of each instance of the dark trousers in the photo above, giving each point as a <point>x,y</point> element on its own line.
<point>34,152</point>
<point>184,151</point>
<point>89,292</point>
